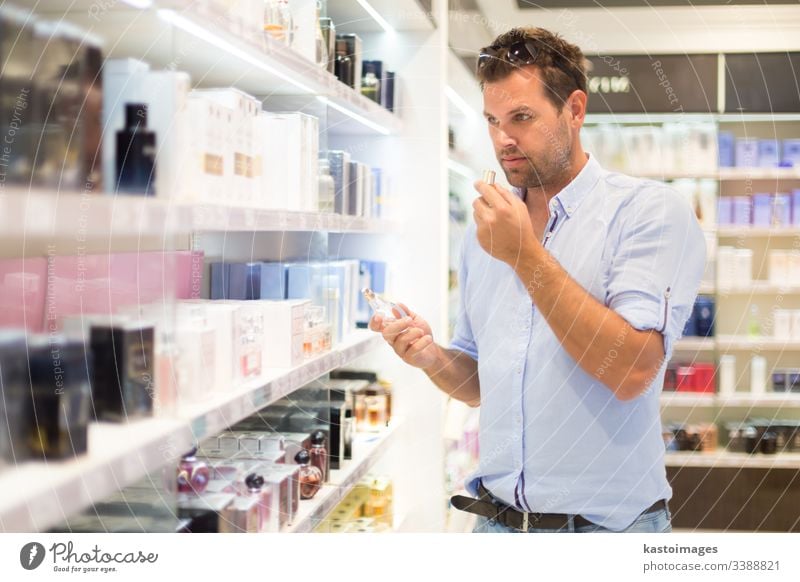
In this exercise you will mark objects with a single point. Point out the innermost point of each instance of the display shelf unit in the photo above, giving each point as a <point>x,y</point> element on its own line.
<point>725,459</point>
<point>367,451</point>
<point>37,495</point>
<point>743,400</point>
<point>214,53</point>
<point>736,342</point>
<point>759,174</point>
<point>756,232</point>
<point>758,288</point>
<point>36,213</point>
<point>695,344</point>
<point>208,418</point>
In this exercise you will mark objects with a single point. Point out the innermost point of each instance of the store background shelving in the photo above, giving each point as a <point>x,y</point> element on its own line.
<point>406,143</point>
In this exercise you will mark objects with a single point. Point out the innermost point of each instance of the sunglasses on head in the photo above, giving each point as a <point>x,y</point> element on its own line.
<point>521,52</point>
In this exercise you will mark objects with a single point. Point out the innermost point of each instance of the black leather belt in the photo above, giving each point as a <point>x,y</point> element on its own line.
<point>487,506</point>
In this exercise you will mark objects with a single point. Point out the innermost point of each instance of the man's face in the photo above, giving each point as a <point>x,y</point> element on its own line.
<point>532,139</point>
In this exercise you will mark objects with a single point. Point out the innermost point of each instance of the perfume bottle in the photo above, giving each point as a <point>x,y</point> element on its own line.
<point>753,325</point>
<point>310,476</point>
<point>136,153</point>
<point>371,82</point>
<point>193,475</point>
<point>344,67</point>
<point>263,495</point>
<point>319,453</point>
<point>382,307</point>
<point>278,20</point>
<point>320,40</point>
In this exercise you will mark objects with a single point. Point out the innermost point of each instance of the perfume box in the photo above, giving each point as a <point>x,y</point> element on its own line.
<point>196,339</point>
<point>23,289</point>
<point>221,318</point>
<point>207,164</point>
<point>248,333</point>
<point>57,427</point>
<point>65,105</point>
<point>782,210</point>
<point>165,93</point>
<point>742,208</point>
<point>340,171</point>
<point>795,207</point>
<point>283,341</point>
<point>791,153</point>
<point>762,209</point>
<point>725,141</point>
<point>19,122</point>
<point>15,404</point>
<point>747,152</point>
<point>768,153</point>
<point>204,511</point>
<point>243,110</point>
<point>122,373</point>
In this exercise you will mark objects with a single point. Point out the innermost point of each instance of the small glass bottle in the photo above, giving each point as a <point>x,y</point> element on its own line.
<point>319,453</point>
<point>319,39</point>
<point>370,83</point>
<point>310,476</point>
<point>344,67</point>
<point>193,475</point>
<point>386,309</point>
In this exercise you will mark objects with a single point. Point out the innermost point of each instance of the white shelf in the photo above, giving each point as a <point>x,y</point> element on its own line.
<point>367,450</point>
<point>723,459</point>
<point>47,213</point>
<point>756,232</point>
<point>173,33</point>
<point>735,342</point>
<point>214,416</point>
<point>706,288</point>
<point>759,173</point>
<point>694,344</point>
<point>639,118</point>
<point>350,16</point>
<point>759,287</point>
<point>697,400</point>
<point>38,495</point>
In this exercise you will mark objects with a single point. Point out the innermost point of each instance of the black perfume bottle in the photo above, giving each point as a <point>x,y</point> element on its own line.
<point>136,153</point>
<point>344,67</point>
<point>60,393</point>
<point>122,374</point>
<point>15,400</point>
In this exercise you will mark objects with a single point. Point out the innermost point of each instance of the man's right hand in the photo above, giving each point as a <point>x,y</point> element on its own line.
<point>410,337</point>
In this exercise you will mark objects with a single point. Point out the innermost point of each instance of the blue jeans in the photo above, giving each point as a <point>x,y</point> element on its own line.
<point>656,522</point>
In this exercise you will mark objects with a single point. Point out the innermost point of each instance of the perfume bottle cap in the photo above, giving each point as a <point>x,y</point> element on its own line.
<point>254,481</point>
<point>318,438</point>
<point>191,454</point>
<point>135,115</point>
<point>488,176</point>
<point>302,457</point>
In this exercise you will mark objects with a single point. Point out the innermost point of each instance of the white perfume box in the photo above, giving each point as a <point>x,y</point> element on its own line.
<point>165,93</point>
<point>304,20</point>
<point>221,317</point>
<point>205,164</point>
<point>291,170</point>
<point>283,340</point>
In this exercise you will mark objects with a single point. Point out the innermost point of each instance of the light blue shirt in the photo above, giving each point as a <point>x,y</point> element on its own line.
<point>553,438</point>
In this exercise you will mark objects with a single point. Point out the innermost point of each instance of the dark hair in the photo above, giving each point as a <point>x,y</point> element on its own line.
<point>562,63</point>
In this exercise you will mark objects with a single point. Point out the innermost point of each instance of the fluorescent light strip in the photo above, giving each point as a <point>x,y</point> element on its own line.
<point>459,102</point>
<point>461,169</point>
<point>141,4</point>
<point>376,17</point>
<point>187,25</point>
<point>353,115</point>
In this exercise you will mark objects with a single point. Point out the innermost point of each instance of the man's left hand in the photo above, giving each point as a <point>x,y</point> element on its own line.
<point>504,226</point>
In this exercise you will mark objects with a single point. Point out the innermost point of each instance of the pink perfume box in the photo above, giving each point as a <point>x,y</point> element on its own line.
<point>23,287</point>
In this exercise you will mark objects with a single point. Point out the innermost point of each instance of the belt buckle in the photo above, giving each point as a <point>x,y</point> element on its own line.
<point>524,527</point>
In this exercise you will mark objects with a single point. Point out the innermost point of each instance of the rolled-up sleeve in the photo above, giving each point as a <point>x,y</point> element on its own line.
<point>463,339</point>
<point>658,263</point>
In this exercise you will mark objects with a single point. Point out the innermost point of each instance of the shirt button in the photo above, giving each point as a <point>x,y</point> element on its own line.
<point>569,209</point>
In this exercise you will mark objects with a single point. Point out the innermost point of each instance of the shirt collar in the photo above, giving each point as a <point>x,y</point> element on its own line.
<point>570,197</point>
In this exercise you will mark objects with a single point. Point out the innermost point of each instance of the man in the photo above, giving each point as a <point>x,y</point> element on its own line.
<point>574,287</point>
